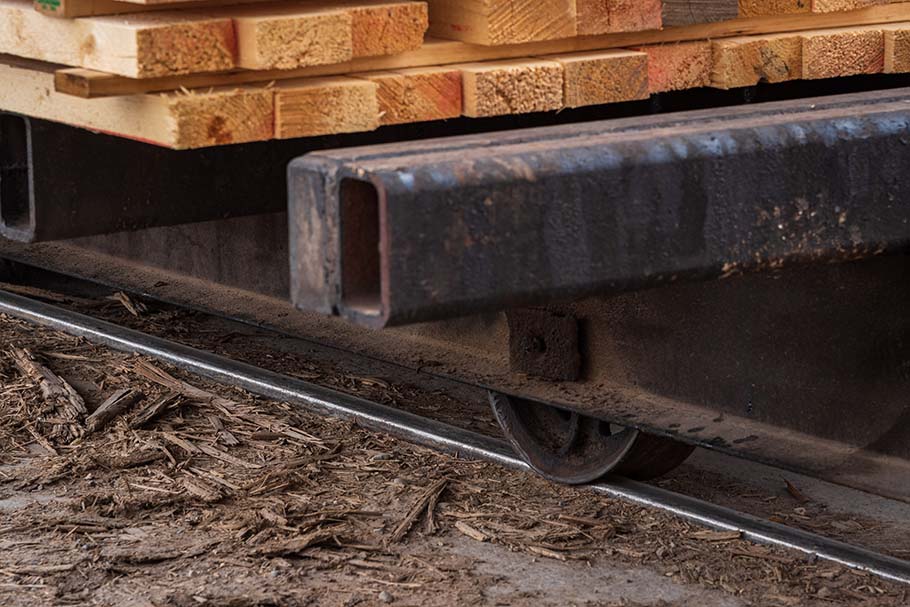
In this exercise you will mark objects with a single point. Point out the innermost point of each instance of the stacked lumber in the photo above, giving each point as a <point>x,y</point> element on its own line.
<point>196,73</point>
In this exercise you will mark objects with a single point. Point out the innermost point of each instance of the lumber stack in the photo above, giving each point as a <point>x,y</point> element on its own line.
<point>196,73</point>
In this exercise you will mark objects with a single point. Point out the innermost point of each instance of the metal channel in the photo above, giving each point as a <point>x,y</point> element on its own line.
<point>437,434</point>
<point>426,230</point>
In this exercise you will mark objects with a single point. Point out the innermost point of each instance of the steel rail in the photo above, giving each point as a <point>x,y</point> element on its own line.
<point>438,435</point>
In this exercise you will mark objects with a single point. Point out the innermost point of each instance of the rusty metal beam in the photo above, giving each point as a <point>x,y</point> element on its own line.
<point>410,232</point>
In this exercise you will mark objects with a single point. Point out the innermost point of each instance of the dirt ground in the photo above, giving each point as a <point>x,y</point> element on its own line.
<point>185,493</point>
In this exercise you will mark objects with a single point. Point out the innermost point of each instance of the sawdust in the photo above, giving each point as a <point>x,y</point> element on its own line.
<point>223,498</point>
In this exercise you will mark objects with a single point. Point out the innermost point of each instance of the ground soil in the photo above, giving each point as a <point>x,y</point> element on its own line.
<point>223,498</point>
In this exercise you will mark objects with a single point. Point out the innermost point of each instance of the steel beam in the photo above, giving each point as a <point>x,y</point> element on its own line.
<point>410,232</point>
<point>59,182</point>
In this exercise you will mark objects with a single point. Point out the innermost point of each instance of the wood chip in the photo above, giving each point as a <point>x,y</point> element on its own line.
<point>134,307</point>
<point>227,457</point>
<point>430,494</point>
<point>796,493</point>
<point>471,532</point>
<point>155,409</point>
<point>298,544</point>
<point>201,489</point>
<point>69,405</point>
<point>117,404</point>
<point>130,460</point>
<point>41,569</point>
<point>551,554</point>
<point>716,536</point>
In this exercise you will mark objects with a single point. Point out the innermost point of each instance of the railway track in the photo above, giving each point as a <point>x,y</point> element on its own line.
<point>439,435</point>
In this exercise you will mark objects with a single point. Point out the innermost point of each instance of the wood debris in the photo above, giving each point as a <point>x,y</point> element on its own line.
<point>66,405</point>
<point>429,497</point>
<point>118,403</point>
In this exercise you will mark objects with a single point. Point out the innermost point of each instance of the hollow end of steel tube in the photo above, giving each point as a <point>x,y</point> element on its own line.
<point>16,221</point>
<point>361,257</point>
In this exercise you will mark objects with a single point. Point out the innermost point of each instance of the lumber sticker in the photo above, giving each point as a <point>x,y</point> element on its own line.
<point>494,22</point>
<point>518,86</point>
<point>593,78</point>
<point>145,45</point>
<point>690,12</point>
<point>71,9</point>
<point>179,120</point>
<point>843,52</point>
<point>746,61</point>
<point>88,83</point>
<point>417,94</point>
<point>324,106</point>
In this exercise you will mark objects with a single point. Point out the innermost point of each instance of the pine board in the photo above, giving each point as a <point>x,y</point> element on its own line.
<point>89,83</point>
<point>174,120</point>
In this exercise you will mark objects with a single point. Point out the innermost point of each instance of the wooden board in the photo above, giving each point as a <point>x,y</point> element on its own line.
<point>387,28</point>
<point>175,120</point>
<point>593,78</point>
<point>286,36</point>
<point>142,46</point>
<point>843,52</point>
<point>417,94</point>
<point>321,106</point>
<point>496,22</point>
<point>678,66</point>
<point>761,8</point>
<point>518,86</point>
<point>746,61</point>
<point>87,83</point>
<point>610,16</point>
<point>830,6</point>
<point>897,49</point>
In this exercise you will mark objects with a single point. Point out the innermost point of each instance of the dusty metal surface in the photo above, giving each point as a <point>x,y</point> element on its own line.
<point>481,223</point>
<point>782,368</point>
<point>544,343</point>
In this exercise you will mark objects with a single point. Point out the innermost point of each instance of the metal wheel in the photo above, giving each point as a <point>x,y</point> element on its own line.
<point>567,447</point>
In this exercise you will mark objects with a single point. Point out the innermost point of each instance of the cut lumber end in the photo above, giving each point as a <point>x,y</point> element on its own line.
<point>222,116</point>
<point>325,106</point>
<point>765,8</point>
<point>678,66</point>
<point>609,16</point>
<point>843,52</point>
<point>897,49</point>
<point>491,22</point>
<point>388,28</point>
<point>603,77</point>
<point>184,45</point>
<point>287,38</point>
<point>749,60</point>
<point>519,86</point>
<point>417,94</point>
<point>838,6</point>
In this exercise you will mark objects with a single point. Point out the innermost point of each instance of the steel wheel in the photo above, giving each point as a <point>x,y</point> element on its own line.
<point>567,447</point>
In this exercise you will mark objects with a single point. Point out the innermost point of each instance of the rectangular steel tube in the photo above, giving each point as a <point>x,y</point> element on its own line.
<point>471,224</point>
